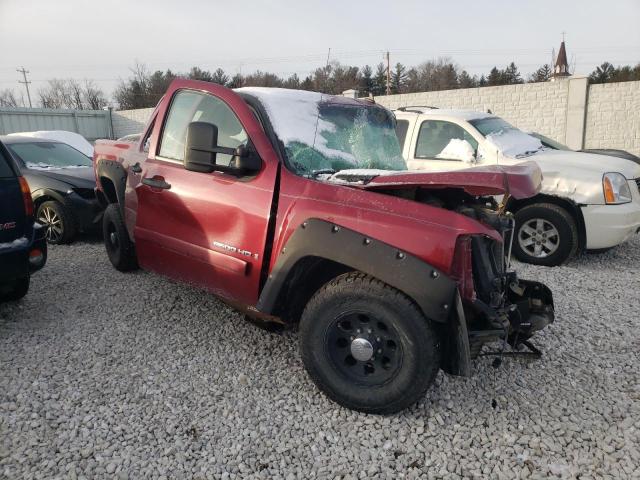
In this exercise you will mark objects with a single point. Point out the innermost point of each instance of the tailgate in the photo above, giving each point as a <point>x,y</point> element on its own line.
<point>12,215</point>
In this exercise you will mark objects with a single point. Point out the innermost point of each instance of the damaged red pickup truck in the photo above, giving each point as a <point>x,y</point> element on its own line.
<point>297,207</point>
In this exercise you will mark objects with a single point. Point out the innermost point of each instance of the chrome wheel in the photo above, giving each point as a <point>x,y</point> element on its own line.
<point>538,237</point>
<point>54,228</point>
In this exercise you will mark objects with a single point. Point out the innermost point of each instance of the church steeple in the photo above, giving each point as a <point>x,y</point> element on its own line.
<point>561,68</point>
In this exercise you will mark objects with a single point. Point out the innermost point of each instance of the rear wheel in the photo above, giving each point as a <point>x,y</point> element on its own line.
<point>58,222</point>
<point>367,346</point>
<point>546,234</point>
<point>16,290</point>
<point>119,246</point>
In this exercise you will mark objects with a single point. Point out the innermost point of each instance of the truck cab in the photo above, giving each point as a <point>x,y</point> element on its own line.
<point>587,201</point>
<point>297,207</point>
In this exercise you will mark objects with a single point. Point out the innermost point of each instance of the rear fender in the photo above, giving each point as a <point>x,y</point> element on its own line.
<point>430,288</point>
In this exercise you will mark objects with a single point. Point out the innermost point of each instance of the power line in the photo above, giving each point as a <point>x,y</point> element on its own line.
<point>25,82</point>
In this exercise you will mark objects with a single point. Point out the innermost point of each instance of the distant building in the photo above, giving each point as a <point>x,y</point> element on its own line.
<point>561,68</point>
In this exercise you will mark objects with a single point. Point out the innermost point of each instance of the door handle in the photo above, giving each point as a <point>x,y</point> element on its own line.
<point>156,182</point>
<point>136,168</point>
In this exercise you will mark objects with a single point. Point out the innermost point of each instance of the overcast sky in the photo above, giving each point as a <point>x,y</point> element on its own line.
<point>101,40</point>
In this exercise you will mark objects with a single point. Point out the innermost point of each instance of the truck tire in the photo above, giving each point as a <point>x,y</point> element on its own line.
<point>367,346</point>
<point>60,226</point>
<point>120,248</point>
<point>16,291</point>
<point>546,234</point>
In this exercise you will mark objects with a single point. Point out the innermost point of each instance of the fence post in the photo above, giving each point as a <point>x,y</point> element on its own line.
<point>75,121</point>
<point>576,112</point>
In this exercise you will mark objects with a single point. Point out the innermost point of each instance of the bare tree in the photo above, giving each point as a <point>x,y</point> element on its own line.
<point>93,97</point>
<point>70,93</point>
<point>8,98</point>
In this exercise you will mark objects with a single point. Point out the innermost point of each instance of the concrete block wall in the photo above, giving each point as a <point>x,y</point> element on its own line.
<point>613,116</point>
<point>126,122</point>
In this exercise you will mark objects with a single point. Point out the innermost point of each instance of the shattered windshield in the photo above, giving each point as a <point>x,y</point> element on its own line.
<point>323,134</point>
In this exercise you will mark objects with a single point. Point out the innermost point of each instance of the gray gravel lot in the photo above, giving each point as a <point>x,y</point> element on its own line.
<point>111,375</point>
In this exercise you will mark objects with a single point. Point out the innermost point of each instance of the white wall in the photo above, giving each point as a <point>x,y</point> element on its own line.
<point>613,116</point>
<point>126,122</point>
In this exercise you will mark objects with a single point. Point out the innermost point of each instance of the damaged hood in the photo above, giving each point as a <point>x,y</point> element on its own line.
<point>520,181</point>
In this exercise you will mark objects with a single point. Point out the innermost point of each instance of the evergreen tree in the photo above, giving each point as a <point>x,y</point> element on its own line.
<point>197,74</point>
<point>292,82</point>
<point>236,81</point>
<point>603,73</point>
<point>307,83</point>
<point>380,80</point>
<point>398,78</point>
<point>495,77</point>
<point>543,74</point>
<point>220,77</point>
<point>482,82</point>
<point>512,75</point>
<point>467,81</point>
<point>366,81</point>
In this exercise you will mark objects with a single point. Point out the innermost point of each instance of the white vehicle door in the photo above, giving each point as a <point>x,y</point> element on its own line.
<point>441,145</point>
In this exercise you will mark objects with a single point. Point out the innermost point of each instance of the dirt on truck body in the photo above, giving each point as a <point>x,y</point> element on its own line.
<point>298,207</point>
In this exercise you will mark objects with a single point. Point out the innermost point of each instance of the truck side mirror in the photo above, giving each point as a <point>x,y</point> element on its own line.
<point>200,147</point>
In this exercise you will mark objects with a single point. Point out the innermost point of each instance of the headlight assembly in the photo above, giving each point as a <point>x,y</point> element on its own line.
<point>616,188</point>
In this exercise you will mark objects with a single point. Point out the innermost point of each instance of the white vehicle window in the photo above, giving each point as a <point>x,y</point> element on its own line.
<point>188,106</point>
<point>402,126</point>
<point>437,138</point>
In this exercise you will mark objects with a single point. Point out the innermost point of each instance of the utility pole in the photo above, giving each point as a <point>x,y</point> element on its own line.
<point>328,55</point>
<point>25,82</point>
<point>388,76</point>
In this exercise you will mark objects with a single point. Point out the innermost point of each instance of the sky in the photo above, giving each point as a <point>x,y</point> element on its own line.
<point>102,40</point>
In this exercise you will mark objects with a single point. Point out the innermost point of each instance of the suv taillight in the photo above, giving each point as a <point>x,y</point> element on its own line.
<point>26,196</point>
<point>462,267</point>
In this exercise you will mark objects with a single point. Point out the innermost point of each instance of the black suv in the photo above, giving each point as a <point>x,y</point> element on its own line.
<point>23,248</point>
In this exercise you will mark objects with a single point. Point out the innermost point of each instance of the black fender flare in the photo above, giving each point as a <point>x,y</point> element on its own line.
<point>116,173</point>
<point>430,288</point>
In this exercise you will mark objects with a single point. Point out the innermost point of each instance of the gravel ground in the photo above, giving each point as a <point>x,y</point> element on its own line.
<point>111,375</point>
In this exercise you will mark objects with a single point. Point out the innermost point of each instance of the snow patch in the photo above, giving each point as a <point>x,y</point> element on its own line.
<point>514,143</point>
<point>18,242</point>
<point>75,140</point>
<point>295,117</point>
<point>458,149</point>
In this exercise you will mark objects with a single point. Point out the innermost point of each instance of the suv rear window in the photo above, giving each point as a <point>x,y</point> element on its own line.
<point>5,168</point>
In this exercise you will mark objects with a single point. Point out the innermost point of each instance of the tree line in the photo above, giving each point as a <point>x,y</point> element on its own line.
<point>144,88</point>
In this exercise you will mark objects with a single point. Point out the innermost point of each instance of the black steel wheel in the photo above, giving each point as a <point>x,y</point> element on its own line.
<point>367,345</point>
<point>364,348</point>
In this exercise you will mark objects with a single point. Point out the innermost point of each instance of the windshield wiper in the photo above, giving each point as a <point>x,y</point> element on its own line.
<point>321,171</point>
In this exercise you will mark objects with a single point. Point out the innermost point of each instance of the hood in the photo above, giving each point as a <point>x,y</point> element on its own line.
<point>557,160</point>
<point>81,177</point>
<point>520,181</point>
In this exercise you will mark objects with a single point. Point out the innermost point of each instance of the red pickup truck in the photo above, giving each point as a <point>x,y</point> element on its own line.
<point>296,207</point>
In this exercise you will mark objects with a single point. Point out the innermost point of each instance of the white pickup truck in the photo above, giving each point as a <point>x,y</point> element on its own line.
<point>587,201</point>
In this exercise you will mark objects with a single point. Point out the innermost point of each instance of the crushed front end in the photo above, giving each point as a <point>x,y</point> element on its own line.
<point>494,304</point>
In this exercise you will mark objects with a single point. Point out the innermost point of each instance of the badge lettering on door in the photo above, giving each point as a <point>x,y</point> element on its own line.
<point>7,226</point>
<point>231,248</point>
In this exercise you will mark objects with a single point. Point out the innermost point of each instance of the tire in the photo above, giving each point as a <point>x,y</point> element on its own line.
<point>60,226</point>
<point>120,248</point>
<point>406,352</point>
<point>553,227</point>
<point>16,291</point>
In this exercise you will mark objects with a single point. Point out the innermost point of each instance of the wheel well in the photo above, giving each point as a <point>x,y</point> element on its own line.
<point>307,276</point>
<point>41,199</point>
<point>108,190</point>
<point>570,206</point>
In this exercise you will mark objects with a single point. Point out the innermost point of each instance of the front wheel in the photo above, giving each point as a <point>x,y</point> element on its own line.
<point>119,246</point>
<point>367,346</point>
<point>546,234</point>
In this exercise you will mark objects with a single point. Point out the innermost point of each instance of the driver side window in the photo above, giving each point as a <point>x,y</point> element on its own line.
<point>189,106</point>
<point>439,139</point>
